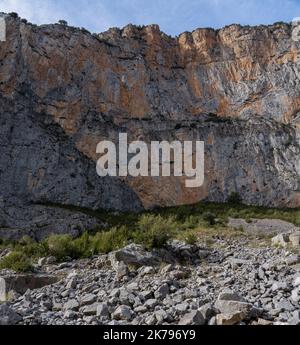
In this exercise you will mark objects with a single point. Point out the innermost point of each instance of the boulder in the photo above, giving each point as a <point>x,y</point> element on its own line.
<point>20,283</point>
<point>102,310</point>
<point>263,322</point>
<point>281,240</point>
<point>122,270</point>
<point>230,307</point>
<point>8,316</point>
<point>295,239</point>
<point>90,310</point>
<point>71,305</point>
<point>162,292</point>
<point>229,295</point>
<point>231,303</point>
<point>207,311</point>
<point>230,319</point>
<point>296,282</point>
<point>295,296</point>
<point>295,320</point>
<point>146,271</point>
<point>123,313</point>
<point>194,318</point>
<point>133,255</point>
<point>151,303</point>
<point>88,299</point>
<point>279,286</point>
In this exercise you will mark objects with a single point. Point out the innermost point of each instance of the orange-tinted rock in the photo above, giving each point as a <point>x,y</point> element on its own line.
<point>236,88</point>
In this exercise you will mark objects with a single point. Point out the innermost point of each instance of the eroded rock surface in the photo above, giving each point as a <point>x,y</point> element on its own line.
<point>62,90</point>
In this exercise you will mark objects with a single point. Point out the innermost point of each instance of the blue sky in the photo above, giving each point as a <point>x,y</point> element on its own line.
<point>173,16</point>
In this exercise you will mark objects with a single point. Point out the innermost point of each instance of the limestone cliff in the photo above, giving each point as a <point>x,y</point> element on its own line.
<point>62,90</point>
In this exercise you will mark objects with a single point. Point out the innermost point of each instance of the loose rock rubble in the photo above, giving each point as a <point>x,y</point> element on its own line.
<point>234,284</point>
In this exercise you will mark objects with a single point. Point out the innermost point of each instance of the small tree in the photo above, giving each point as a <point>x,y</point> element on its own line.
<point>234,198</point>
<point>209,218</point>
<point>63,22</point>
<point>14,14</point>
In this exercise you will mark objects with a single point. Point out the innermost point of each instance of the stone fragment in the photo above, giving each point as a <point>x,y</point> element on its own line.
<point>281,240</point>
<point>207,311</point>
<point>296,282</point>
<point>162,292</point>
<point>193,318</point>
<point>71,305</point>
<point>230,319</point>
<point>122,270</point>
<point>279,286</point>
<point>90,310</point>
<point>88,299</point>
<point>8,316</point>
<point>133,255</point>
<point>295,239</point>
<point>123,313</point>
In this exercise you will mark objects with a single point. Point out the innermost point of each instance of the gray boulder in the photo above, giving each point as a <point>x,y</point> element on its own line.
<point>8,316</point>
<point>133,255</point>
<point>194,318</point>
<point>123,313</point>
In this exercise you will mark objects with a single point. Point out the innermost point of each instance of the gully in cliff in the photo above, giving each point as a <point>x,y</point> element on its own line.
<point>156,160</point>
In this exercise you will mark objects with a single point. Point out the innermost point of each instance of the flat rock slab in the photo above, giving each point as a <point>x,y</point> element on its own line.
<point>20,283</point>
<point>266,226</point>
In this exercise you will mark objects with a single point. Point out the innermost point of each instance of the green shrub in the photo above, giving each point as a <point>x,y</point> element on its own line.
<point>13,14</point>
<point>209,218</point>
<point>81,247</point>
<point>30,248</point>
<point>154,231</point>
<point>234,198</point>
<point>61,246</point>
<point>107,241</point>
<point>191,222</point>
<point>191,239</point>
<point>182,212</point>
<point>63,22</point>
<point>17,262</point>
<point>85,31</point>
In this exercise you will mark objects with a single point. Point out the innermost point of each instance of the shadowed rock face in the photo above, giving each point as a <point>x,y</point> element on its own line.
<point>63,90</point>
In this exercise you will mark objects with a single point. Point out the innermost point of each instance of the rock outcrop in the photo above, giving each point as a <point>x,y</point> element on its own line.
<point>62,90</point>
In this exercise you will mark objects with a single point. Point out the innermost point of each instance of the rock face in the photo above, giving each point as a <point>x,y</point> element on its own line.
<point>62,90</point>
<point>39,222</point>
